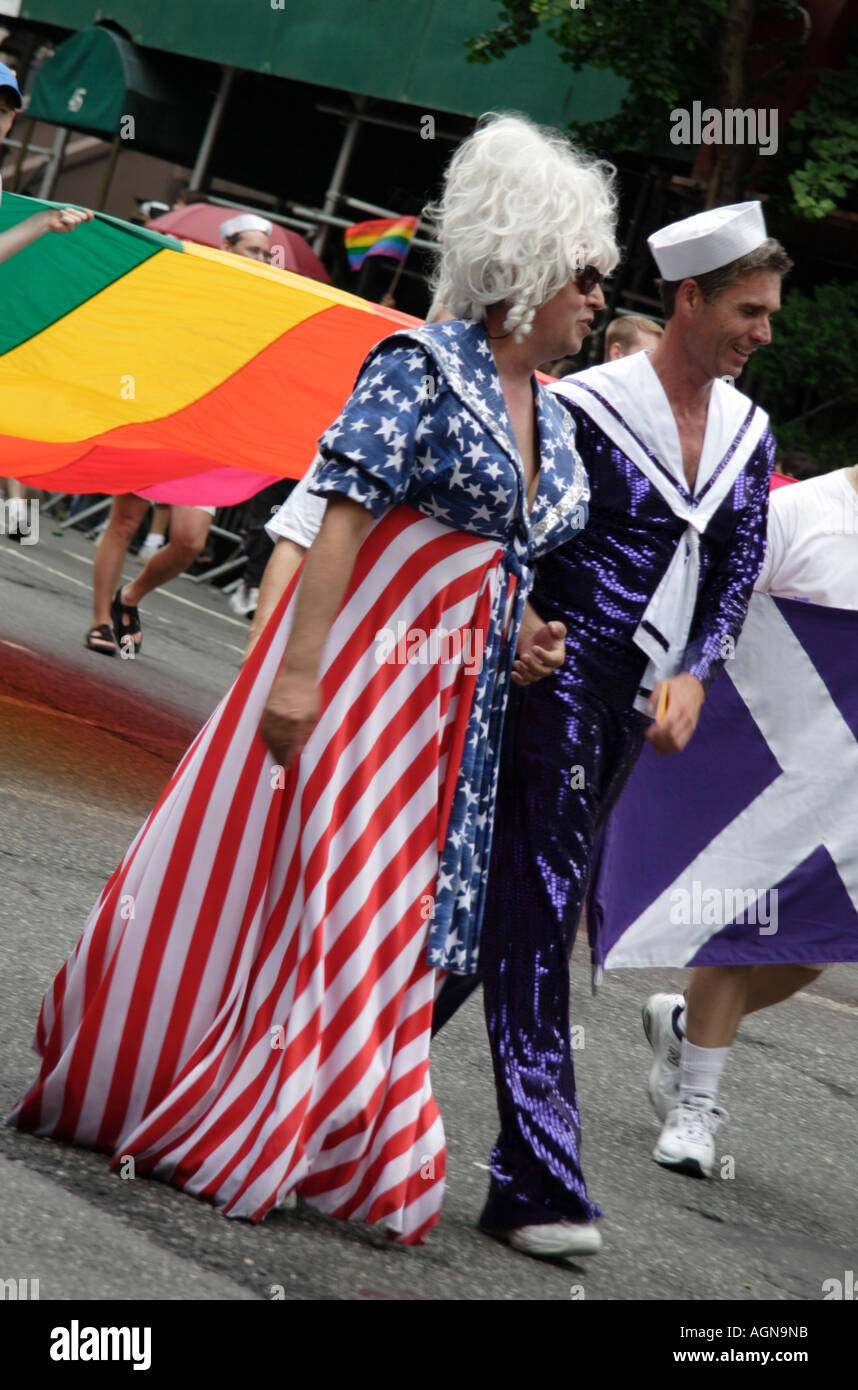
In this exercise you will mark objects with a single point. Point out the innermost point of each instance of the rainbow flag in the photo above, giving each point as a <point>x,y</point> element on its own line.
<point>131,361</point>
<point>388,236</point>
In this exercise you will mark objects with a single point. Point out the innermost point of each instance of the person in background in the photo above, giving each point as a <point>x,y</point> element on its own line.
<point>156,536</point>
<point>116,624</point>
<point>624,335</point>
<point>247,235</point>
<point>258,546</point>
<point>630,333</point>
<point>14,239</point>
<point>811,555</point>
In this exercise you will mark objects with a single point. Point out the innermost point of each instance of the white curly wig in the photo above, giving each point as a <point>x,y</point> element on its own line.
<point>522,212</point>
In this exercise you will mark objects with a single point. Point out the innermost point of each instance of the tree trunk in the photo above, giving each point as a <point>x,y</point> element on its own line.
<point>726,181</point>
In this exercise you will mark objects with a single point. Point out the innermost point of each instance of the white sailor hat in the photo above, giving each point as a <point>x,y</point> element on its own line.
<point>245,222</point>
<point>707,240</point>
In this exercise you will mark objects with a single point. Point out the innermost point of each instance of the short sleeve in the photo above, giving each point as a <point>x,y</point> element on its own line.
<point>301,515</point>
<point>368,452</point>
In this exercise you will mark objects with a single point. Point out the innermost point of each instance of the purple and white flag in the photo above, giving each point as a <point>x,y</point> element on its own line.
<point>743,849</point>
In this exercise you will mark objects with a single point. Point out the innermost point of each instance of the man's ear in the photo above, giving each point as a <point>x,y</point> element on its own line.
<point>689,296</point>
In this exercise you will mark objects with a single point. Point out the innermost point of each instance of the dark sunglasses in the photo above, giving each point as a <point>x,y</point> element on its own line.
<point>588,278</point>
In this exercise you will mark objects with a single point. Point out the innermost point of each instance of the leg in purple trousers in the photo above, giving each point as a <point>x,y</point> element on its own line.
<point>566,757</point>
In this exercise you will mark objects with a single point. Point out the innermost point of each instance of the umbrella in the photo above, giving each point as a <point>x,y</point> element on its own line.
<point>200,222</point>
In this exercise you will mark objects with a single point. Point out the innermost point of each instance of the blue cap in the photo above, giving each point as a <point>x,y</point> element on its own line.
<point>8,79</point>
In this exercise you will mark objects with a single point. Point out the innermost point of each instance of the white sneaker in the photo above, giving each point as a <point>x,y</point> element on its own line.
<point>243,602</point>
<point>557,1238</point>
<point>687,1142</point>
<point>146,551</point>
<point>658,1015</point>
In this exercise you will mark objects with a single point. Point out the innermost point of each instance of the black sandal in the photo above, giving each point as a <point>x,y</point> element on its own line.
<point>126,621</point>
<point>102,634</point>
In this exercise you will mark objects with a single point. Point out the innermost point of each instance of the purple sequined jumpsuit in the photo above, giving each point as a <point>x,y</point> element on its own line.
<point>570,742</point>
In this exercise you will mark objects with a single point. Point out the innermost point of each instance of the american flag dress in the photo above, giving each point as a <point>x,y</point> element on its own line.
<point>248,1010</point>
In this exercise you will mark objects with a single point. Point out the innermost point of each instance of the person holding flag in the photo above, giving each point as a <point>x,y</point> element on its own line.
<point>116,627</point>
<point>812,556</point>
<point>15,239</point>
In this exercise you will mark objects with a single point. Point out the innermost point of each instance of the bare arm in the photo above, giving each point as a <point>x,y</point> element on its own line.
<point>282,564</point>
<point>293,705</point>
<point>28,231</point>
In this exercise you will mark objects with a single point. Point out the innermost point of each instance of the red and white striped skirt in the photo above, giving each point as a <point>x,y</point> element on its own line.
<point>248,1011</point>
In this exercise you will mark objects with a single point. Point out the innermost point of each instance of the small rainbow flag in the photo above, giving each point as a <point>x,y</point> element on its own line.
<point>387,236</point>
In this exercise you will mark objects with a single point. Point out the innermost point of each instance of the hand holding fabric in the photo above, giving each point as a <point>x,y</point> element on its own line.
<point>66,219</point>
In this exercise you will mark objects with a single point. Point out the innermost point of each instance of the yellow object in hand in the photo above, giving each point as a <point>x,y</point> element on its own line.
<point>662,703</point>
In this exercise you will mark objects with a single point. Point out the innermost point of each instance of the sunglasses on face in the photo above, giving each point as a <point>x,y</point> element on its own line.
<point>588,278</point>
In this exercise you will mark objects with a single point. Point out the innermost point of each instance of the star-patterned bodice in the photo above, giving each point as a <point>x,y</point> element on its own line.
<point>427,424</point>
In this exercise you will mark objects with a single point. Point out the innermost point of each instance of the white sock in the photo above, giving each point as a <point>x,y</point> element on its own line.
<point>154,540</point>
<point>700,1071</point>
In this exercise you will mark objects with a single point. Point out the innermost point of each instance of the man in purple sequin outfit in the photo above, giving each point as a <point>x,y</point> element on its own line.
<point>653,592</point>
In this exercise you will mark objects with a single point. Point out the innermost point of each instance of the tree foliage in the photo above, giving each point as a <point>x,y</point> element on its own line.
<point>668,52</point>
<point>826,144</point>
<point>665,49</point>
<point>813,350</point>
<point>806,376</point>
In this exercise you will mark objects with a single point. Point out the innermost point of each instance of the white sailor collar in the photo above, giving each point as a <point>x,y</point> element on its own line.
<point>635,411</point>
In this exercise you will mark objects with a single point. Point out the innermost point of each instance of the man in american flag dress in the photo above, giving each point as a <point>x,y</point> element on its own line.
<point>248,1011</point>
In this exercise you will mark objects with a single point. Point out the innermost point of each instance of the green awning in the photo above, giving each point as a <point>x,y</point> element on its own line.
<point>100,83</point>
<point>395,50</point>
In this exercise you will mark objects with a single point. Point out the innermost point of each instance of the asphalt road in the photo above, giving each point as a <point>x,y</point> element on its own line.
<point>87,744</point>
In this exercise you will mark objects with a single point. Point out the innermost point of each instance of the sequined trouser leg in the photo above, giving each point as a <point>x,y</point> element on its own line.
<point>566,757</point>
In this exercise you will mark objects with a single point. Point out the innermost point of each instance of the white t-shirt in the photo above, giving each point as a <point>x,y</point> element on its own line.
<point>300,517</point>
<point>812,542</point>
